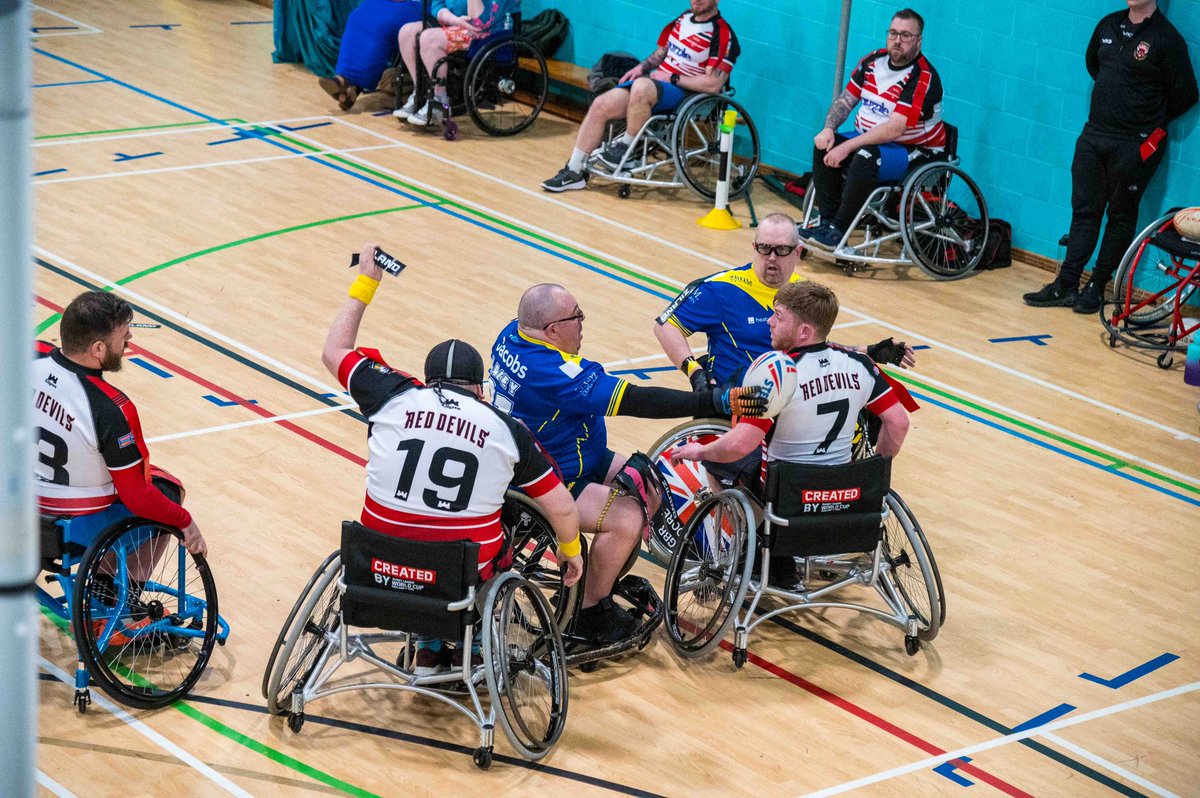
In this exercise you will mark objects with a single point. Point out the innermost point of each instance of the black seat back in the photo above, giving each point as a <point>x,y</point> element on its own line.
<point>951,150</point>
<point>398,584</point>
<point>826,509</point>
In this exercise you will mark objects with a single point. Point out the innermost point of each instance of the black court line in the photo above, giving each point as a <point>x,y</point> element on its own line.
<point>837,648</point>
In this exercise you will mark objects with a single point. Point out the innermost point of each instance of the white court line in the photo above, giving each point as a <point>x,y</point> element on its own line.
<point>544,197</point>
<point>89,28</point>
<point>150,734</point>
<point>934,761</point>
<point>186,322</point>
<point>251,423</point>
<point>1110,766</point>
<point>207,165</point>
<point>225,127</point>
<point>53,786</point>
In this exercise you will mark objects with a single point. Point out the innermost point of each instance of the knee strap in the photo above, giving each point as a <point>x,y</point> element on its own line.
<point>632,480</point>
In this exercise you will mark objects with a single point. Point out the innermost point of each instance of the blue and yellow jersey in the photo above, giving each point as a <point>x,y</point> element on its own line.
<point>732,309</point>
<point>562,398</point>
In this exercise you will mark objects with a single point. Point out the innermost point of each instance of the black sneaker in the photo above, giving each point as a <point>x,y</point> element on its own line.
<point>1089,298</point>
<point>605,622</point>
<point>612,155</point>
<point>565,180</point>
<point>1053,295</point>
<point>783,574</point>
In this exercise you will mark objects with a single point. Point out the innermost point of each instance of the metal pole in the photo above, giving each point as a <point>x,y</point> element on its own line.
<point>18,545</point>
<point>840,61</point>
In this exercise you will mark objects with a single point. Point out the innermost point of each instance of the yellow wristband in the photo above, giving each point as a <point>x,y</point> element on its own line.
<point>689,365</point>
<point>572,548</point>
<point>363,289</point>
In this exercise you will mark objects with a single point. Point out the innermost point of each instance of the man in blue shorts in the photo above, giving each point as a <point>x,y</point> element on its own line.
<point>696,53</point>
<point>539,378</point>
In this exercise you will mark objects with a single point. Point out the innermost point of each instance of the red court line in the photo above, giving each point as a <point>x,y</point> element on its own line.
<point>770,667</point>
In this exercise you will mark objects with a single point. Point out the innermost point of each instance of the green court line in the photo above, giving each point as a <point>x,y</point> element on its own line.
<point>1113,462</point>
<point>236,736</point>
<point>129,129</point>
<point>53,319</point>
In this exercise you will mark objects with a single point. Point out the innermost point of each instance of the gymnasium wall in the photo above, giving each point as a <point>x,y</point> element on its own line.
<point>1013,72</point>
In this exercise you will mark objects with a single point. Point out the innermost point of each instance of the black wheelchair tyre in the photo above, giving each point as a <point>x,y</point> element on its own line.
<point>158,668</point>
<point>895,501</point>
<point>944,229</point>
<point>505,86</point>
<point>911,568</point>
<point>695,140</point>
<point>534,544</point>
<point>280,639</point>
<point>317,613</point>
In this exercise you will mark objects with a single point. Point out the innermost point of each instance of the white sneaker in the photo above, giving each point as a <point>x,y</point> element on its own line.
<point>406,110</point>
<point>426,114</point>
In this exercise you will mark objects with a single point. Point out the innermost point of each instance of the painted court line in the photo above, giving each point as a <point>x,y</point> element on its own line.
<point>84,27</point>
<point>1113,767</point>
<point>53,786</point>
<point>98,699</point>
<point>541,195</point>
<point>251,423</point>
<point>932,762</point>
<point>171,130</point>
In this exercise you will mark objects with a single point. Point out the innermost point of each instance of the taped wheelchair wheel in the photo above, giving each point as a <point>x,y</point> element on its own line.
<point>505,86</point>
<point>944,220</point>
<point>709,573</point>
<point>525,665</point>
<point>315,615</point>
<point>144,612</point>
<point>534,547</point>
<point>912,569</point>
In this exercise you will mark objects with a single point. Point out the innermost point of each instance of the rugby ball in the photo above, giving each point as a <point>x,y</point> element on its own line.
<point>1187,222</point>
<point>777,373</point>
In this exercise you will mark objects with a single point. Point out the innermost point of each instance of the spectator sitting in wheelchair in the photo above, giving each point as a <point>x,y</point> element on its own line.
<point>461,22</point>
<point>899,126</point>
<point>696,53</point>
<point>368,47</point>
<point>817,424</point>
<point>440,459</point>
<point>92,455</point>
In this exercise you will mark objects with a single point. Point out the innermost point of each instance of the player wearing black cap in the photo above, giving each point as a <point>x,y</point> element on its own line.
<point>440,458</point>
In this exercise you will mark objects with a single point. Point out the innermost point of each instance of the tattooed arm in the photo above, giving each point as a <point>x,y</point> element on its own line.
<point>838,113</point>
<point>646,67</point>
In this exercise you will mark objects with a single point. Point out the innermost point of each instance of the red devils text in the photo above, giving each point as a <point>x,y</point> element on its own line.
<point>840,381</point>
<point>427,419</point>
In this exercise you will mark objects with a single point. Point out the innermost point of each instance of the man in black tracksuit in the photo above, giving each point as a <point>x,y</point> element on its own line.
<point>1144,80</point>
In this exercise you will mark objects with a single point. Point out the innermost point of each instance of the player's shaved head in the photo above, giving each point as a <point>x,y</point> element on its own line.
<point>542,304</point>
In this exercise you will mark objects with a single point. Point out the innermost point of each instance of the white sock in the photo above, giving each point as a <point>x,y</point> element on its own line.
<point>625,138</point>
<point>578,157</point>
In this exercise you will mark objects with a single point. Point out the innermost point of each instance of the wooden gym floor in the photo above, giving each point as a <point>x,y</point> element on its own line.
<point>222,194</point>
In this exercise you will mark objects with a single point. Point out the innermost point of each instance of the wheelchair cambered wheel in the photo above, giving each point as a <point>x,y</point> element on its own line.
<point>303,638</point>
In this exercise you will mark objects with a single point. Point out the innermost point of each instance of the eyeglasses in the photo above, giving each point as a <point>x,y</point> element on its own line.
<point>577,317</point>
<point>780,250</point>
<point>902,35</point>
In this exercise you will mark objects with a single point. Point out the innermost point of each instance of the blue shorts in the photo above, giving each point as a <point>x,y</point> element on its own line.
<point>893,159</point>
<point>669,96</point>
<point>596,475</point>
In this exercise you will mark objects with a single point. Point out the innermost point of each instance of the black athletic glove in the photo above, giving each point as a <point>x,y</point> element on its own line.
<point>696,374</point>
<point>750,402</point>
<point>886,351</point>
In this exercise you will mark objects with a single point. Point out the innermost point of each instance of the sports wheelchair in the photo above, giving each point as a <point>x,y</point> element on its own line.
<point>534,545</point>
<point>394,590</point>
<point>500,81</point>
<point>1155,304</point>
<point>935,216</point>
<point>836,544</point>
<point>142,608</point>
<point>682,148</point>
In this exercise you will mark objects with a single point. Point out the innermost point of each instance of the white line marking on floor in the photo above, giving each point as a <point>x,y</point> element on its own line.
<point>1110,766</point>
<point>89,28</point>
<point>251,423</point>
<point>226,127</point>
<point>53,786</point>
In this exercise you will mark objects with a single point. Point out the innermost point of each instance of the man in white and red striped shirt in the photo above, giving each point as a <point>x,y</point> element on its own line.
<point>898,125</point>
<point>695,54</point>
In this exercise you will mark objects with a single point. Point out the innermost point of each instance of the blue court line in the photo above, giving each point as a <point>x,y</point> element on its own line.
<point>947,769</point>
<point>150,367</point>
<point>641,373</point>
<point>1117,682</point>
<point>1044,718</point>
<point>219,402</point>
<point>1037,339</point>
<point>69,83</point>
<point>41,28</point>
<point>48,172</point>
<point>298,128</point>
<point>164,25</point>
<point>122,157</point>
<point>253,22</point>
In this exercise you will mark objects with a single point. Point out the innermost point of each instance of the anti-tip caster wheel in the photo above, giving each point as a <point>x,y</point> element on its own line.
<point>623,192</point>
<point>1166,359</point>
<point>482,757</point>
<point>588,667</point>
<point>739,657</point>
<point>912,644</point>
<point>295,721</point>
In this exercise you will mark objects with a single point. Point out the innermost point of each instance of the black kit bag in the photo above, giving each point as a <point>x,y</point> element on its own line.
<point>997,253</point>
<point>548,30</point>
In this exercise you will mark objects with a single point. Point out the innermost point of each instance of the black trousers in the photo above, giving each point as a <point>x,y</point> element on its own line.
<point>1106,173</point>
<point>841,192</point>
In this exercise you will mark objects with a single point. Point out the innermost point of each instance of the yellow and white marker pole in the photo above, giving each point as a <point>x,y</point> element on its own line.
<point>719,218</point>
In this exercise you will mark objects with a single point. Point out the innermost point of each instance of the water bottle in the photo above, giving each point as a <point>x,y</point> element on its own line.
<point>508,21</point>
<point>1191,366</point>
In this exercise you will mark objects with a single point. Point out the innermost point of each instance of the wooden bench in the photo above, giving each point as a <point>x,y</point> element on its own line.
<point>564,73</point>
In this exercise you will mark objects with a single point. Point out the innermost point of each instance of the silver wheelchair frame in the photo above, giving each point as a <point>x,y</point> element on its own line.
<point>874,228</point>
<point>318,614</point>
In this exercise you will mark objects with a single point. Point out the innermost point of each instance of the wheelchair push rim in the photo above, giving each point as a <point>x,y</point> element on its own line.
<point>505,86</point>
<point>945,220</point>
<point>144,611</point>
<point>709,573</point>
<point>696,139</point>
<point>525,665</point>
<point>305,636</point>
<point>912,569</point>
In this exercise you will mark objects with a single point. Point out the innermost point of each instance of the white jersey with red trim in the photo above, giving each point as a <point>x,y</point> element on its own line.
<point>440,460</point>
<point>86,429</point>
<point>694,47</point>
<point>817,425</point>
<point>914,91</point>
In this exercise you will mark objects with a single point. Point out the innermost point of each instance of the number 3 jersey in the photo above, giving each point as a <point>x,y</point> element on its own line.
<point>817,425</point>
<point>440,460</point>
